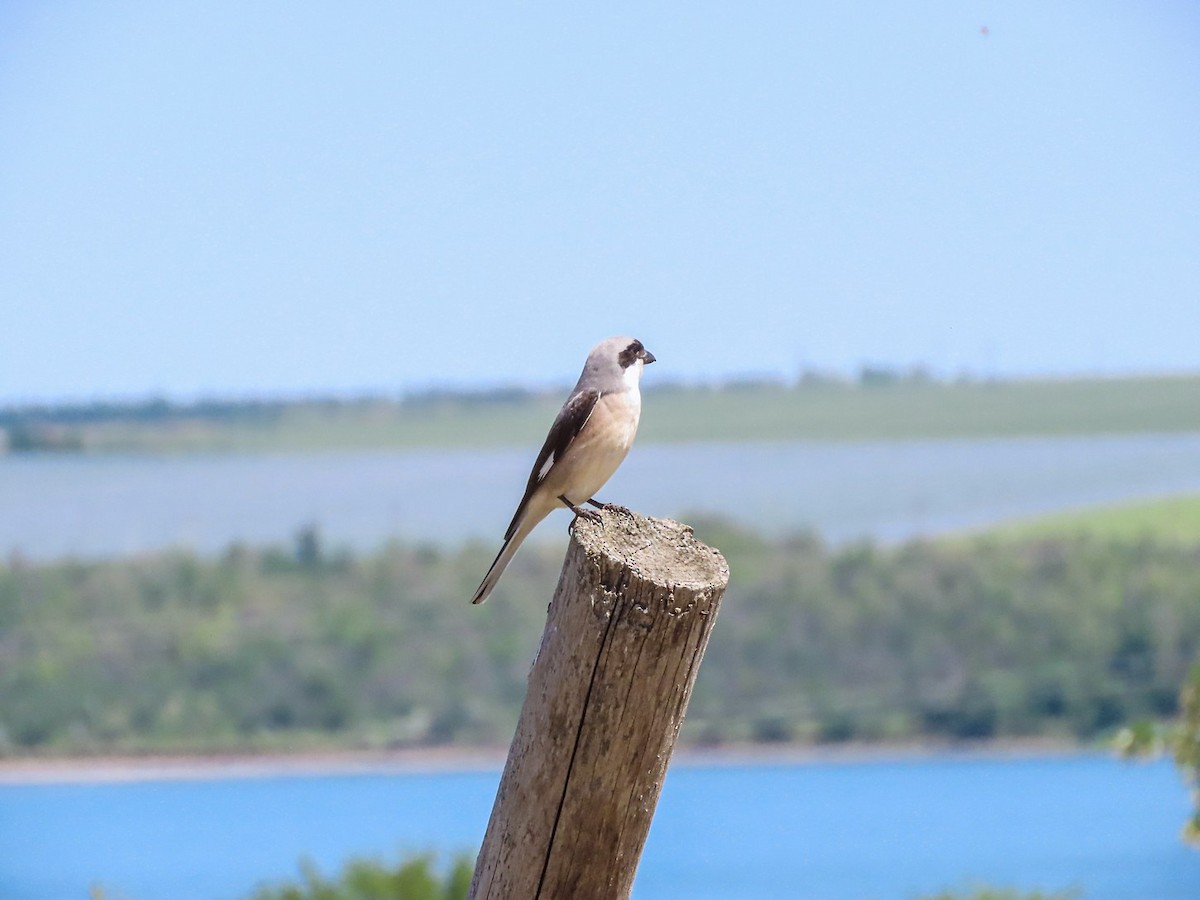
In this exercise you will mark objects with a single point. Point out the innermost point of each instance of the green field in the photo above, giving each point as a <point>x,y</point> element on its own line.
<point>1168,519</point>
<point>905,411</point>
<point>823,411</point>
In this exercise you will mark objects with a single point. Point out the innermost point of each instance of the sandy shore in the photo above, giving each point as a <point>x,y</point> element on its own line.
<point>177,768</point>
<point>435,760</point>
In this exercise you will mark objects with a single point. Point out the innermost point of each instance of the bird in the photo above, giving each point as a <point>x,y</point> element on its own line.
<point>587,442</point>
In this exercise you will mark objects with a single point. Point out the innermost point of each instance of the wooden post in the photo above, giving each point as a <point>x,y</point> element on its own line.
<point>609,687</point>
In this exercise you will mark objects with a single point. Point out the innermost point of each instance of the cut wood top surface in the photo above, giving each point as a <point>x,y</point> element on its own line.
<point>659,550</point>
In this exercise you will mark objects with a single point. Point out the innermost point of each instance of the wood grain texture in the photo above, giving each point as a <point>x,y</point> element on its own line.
<point>624,637</point>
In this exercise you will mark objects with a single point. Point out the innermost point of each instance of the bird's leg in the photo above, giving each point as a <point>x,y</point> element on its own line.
<point>579,510</point>
<point>599,504</point>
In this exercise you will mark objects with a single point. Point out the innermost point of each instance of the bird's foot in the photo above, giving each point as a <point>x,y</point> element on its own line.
<point>582,514</point>
<point>579,511</point>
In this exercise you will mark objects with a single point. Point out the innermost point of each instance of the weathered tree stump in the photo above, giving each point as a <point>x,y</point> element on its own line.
<point>609,687</point>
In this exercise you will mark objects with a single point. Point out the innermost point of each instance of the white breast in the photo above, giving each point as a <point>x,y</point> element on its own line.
<point>600,447</point>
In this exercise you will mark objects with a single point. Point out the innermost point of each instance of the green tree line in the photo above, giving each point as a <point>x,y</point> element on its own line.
<point>299,648</point>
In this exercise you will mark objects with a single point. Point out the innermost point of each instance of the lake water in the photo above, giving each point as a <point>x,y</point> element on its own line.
<point>819,831</point>
<point>101,506</point>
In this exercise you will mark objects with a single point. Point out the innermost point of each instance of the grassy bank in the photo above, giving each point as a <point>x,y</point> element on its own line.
<point>1170,519</point>
<point>902,409</point>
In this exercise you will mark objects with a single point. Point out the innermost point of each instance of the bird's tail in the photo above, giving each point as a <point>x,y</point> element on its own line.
<point>502,560</point>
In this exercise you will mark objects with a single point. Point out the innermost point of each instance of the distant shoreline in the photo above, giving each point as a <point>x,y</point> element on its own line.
<point>881,405</point>
<point>447,760</point>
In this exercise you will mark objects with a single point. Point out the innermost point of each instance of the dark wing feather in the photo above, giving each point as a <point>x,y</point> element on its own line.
<point>570,421</point>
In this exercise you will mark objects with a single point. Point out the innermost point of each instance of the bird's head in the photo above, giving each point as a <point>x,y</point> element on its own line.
<point>632,353</point>
<point>613,362</point>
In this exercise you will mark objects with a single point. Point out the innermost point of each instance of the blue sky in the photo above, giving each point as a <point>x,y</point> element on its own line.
<point>274,198</point>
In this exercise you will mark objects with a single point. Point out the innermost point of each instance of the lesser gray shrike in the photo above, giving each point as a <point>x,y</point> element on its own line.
<point>589,439</point>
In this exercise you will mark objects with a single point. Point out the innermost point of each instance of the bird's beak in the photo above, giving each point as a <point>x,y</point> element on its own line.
<point>647,357</point>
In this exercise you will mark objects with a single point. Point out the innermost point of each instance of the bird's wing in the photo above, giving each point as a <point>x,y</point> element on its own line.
<point>570,421</point>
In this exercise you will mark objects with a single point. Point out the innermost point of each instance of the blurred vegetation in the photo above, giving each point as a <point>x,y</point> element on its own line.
<point>983,639</point>
<point>415,878</point>
<point>303,648</point>
<point>881,403</point>
<point>1181,738</point>
<point>994,893</point>
<point>1187,750</point>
